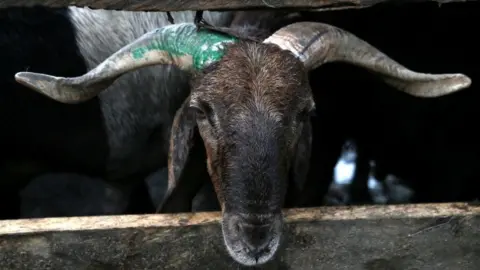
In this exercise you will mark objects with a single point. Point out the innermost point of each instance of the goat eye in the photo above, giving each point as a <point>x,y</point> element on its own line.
<point>306,114</point>
<point>199,113</point>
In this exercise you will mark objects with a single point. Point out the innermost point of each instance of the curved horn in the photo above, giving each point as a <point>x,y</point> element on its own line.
<point>318,43</point>
<point>179,44</point>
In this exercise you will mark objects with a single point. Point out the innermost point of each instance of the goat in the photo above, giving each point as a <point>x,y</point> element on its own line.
<point>118,138</point>
<point>64,195</point>
<point>250,103</point>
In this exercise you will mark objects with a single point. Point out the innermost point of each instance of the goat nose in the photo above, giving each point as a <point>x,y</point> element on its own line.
<point>256,237</point>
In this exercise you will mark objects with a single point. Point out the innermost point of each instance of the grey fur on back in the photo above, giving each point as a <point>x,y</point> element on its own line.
<point>139,107</point>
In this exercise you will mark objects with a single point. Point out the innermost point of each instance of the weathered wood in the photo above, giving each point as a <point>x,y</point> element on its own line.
<point>430,236</point>
<point>180,5</point>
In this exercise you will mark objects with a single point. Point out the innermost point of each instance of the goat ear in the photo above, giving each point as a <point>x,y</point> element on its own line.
<point>301,164</point>
<point>184,179</point>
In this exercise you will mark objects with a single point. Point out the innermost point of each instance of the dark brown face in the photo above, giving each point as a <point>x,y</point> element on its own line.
<point>250,110</point>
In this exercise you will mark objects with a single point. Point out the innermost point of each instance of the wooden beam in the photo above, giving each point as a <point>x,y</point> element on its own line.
<point>429,236</point>
<point>180,5</point>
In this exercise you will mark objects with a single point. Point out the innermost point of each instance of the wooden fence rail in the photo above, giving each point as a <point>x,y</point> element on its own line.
<point>426,236</point>
<point>180,5</point>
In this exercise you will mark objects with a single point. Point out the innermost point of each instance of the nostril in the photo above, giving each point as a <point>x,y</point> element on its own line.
<point>238,228</point>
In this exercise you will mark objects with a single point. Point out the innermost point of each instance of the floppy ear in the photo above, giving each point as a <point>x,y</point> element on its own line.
<point>301,164</point>
<point>185,162</point>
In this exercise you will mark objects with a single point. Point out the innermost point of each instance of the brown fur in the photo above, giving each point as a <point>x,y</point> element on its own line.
<point>253,86</point>
<point>251,109</point>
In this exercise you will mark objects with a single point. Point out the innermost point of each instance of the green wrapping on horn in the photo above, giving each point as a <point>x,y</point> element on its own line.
<point>183,45</point>
<point>204,46</point>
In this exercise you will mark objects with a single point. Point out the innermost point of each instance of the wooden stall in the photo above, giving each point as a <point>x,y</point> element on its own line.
<point>179,5</point>
<point>423,236</point>
<point>427,237</point>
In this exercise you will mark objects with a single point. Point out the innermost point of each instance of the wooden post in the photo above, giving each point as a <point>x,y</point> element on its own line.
<point>180,5</point>
<point>427,237</point>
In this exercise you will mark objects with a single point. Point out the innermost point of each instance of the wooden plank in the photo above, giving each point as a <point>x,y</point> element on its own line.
<point>180,5</point>
<point>429,236</point>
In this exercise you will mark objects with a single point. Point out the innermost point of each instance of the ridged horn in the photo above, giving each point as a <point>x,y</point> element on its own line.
<point>317,43</point>
<point>180,44</point>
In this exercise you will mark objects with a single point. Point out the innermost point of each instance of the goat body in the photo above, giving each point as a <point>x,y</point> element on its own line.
<point>113,137</point>
<point>64,195</point>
